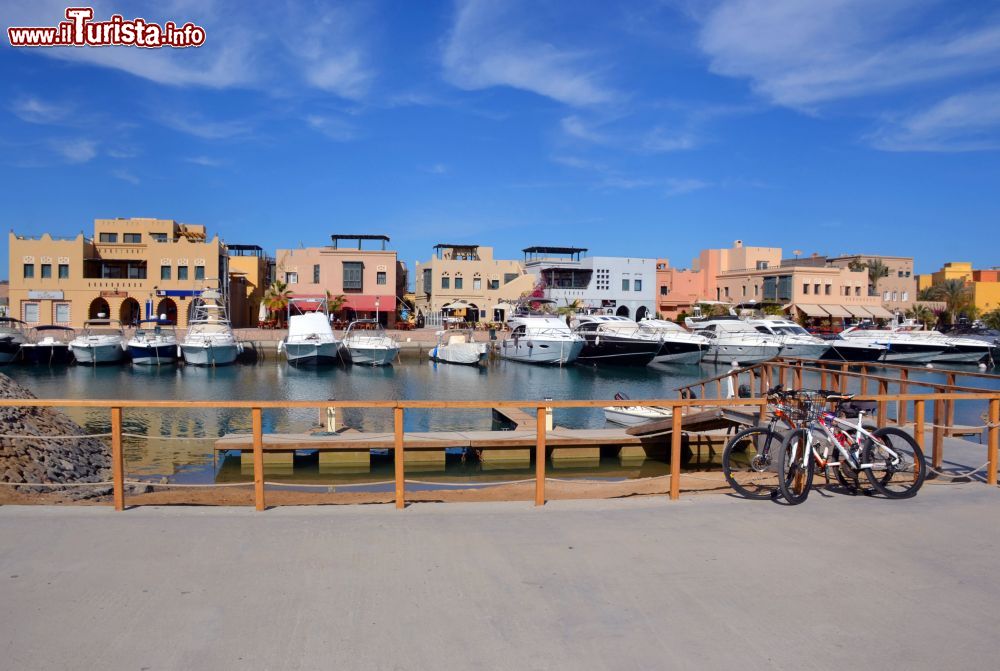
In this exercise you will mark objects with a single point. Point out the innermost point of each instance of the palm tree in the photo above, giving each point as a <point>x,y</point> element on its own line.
<point>922,314</point>
<point>276,297</point>
<point>992,319</point>
<point>955,294</point>
<point>569,309</point>
<point>876,271</point>
<point>335,303</point>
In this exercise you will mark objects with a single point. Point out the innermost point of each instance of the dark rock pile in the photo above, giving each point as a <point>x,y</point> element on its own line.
<point>47,461</point>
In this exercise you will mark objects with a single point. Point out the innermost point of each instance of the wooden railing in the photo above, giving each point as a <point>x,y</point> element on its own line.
<point>256,408</point>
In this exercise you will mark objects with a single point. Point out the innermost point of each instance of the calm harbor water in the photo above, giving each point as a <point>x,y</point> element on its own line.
<point>181,444</point>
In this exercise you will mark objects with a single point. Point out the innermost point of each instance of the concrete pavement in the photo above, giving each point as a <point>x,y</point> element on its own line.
<point>710,582</point>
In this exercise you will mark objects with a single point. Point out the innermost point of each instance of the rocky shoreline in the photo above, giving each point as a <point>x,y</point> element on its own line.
<point>50,462</point>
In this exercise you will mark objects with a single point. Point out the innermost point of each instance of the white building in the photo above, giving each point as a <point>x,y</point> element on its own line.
<point>617,285</point>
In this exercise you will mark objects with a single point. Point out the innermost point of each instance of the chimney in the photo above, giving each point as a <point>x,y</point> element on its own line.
<point>737,244</point>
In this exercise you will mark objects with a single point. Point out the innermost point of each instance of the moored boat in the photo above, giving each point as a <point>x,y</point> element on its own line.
<point>210,340</point>
<point>540,339</point>
<point>458,346</point>
<point>613,340</point>
<point>630,415</point>
<point>154,343</point>
<point>795,340</point>
<point>12,336</point>
<point>310,340</point>
<point>680,346</point>
<point>368,344</point>
<point>732,340</point>
<point>102,342</point>
<point>49,345</point>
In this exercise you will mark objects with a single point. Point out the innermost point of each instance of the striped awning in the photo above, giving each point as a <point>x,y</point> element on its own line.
<point>811,310</point>
<point>858,311</point>
<point>837,311</point>
<point>879,312</point>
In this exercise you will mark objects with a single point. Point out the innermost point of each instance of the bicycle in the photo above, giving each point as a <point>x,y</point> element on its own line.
<point>890,459</point>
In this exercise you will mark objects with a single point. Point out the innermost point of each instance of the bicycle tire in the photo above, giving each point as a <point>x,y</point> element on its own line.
<point>849,479</point>
<point>889,480</point>
<point>742,443</point>
<point>794,481</point>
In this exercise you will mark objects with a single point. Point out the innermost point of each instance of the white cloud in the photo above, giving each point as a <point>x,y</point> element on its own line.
<point>965,122</point>
<point>78,150</point>
<point>328,50</point>
<point>206,161</point>
<point>489,46</point>
<point>677,187</point>
<point>436,169</point>
<point>195,124</point>
<point>35,110</point>
<point>801,54</point>
<point>125,176</point>
<point>659,141</point>
<point>576,127</point>
<point>332,127</point>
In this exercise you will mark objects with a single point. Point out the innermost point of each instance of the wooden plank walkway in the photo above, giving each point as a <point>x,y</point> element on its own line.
<point>516,416</point>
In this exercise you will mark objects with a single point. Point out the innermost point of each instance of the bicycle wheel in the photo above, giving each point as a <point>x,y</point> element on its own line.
<point>795,478</point>
<point>898,467</point>
<point>747,462</point>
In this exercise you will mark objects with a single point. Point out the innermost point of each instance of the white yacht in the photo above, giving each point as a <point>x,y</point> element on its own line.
<point>540,338</point>
<point>103,341</point>
<point>210,340</point>
<point>902,346</point>
<point>679,345</point>
<point>154,343</point>
<point>795,340</point>
<point>731,339</point>
<point>12,336</point>
<point>458,346</point>
<point>310,340</point>
<point>369,345</point>
<point>614,340</point>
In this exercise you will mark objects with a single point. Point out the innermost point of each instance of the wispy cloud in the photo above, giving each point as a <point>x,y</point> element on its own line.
<point>800,54</point>
<point>333,128</point>
<point>615,180</point>
<point>208,129</point>
<point>489,45</point>
<point>328,49</point>
<point>78,150</point>
<point>36,110</point>
<point>435,168</point>
<point>625,136</point>
<point>206,161</point>
<point>125,176</point>
<point>964,122</point>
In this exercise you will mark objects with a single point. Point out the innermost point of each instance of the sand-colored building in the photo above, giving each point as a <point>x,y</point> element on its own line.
<point>369,279</point>
<point>677,289</point>
<point>4,297</point>
<point>898,289</point>
<point>984,284</point>
<point>470,274</point>
<point>711,263</point>
<point>131,269</point>
<point>251,270</point>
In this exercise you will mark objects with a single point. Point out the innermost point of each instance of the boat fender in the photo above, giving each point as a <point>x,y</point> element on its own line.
<point>597,340</point>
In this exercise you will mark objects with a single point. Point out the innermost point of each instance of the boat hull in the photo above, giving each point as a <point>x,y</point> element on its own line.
<point>742,354</point>
<point>604,350</point>
<point>47,355</point>
<point>91,355</point>
<point>312,354</point>
<point>804,350</point>
<point>849,352</point>
<point>627,417</point>
<point>903,353</point>
<point>687,353</point>
<point>466,356</point>
<point>153,355</point>
<point>210,355</point>
<point>373,356</point>
<point>964,354</point>
<point>9,350</point>
<point>542,352</point>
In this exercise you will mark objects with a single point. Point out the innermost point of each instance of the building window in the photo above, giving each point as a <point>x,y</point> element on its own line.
<point>182,272</point>
<point>446,283</point>
<point>493,284</point>
<point>108,237</point>
<point>158,237</point>
<point>885,296</point>
<point>894,296</point>
<point>199,272</point>
<point>625,284</point>
<point>816,289</point>
<point>805,288</point>
<point>906,296</point>
<point>62,313</point>
<point>828,289</point>
<point>63,271</point>
<point>315,273</point>
<point>907,273</point>
<point>637,285</point>
<point>132,238</point>
<point>664,290</point>
<point>509,277</point>
<point>744,290</point>
<point>380,278</point>
<point>46,271</point>
<point>29,271</point>
<point>899,274</point>
<point>756,289</point>
<point>477,284</point>
<point>136,272</point>
<point>30,315</point>
<point>353,276</point>
<point>762,265</point>
<point>458,283</point>
<point>427,281</point>
<point>164,272</point>
<point>291,278</point>
<point>726,291</point>
<point>857,291</point>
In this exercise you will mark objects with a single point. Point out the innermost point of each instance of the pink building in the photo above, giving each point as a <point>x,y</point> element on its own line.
<point>677,290</point>
<point>370,279</point>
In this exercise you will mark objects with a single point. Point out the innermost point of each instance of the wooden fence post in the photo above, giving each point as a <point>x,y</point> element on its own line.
<point>901,406</point>
<point>883,406</point>
<point>918,424</point>
<point>675,453</point>
<point>842,378</point>
<point>938,447</point>
<point>258,458</point>
<point>540,457</point>
<point>117,459</point>
<point>399,458</point>
<point>993,441</point>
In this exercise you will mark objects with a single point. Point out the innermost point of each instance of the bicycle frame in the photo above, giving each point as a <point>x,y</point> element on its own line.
<point>826,422</point>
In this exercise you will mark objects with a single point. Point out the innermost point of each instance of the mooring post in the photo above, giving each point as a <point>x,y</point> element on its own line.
<point>258,457</point>
<point>675,453</point>
<point>918,424</point>
<point>540,427</point>
<point>117,459</point>
<point>399,461</point>
<point>993,441</point>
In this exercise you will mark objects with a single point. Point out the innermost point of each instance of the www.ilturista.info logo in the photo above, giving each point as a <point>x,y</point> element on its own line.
<point>79,30</point>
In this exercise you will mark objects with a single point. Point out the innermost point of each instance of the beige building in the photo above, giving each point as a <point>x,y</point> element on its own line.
<point>370,279</point>
<point>711,263</point>
<point>898,289</point>
<point>251,270</point>
<point>130,269</point>
<point>4,297</point>
<point>470,274</point>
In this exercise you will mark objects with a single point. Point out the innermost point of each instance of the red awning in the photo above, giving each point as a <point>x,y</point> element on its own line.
<point>363,303</point>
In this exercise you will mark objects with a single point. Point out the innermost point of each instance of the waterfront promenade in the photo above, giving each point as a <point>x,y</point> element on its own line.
<point>712,582</point>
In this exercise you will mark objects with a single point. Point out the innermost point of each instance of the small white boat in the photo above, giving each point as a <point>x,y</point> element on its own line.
<point>12,336</point>
<point>103,341</point>
<point>369,345</point>
<point>458,346</point>
<point>49,345</point>
<point>732,340</point>
<point>310,340</point>
<point>541,339</point>
<point>210,340</point>
<point>795,340</point>
<point>153,344</point>
<point>630,415</point>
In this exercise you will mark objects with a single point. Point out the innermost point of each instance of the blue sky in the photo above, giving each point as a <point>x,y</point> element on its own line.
<point>634,128</point>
